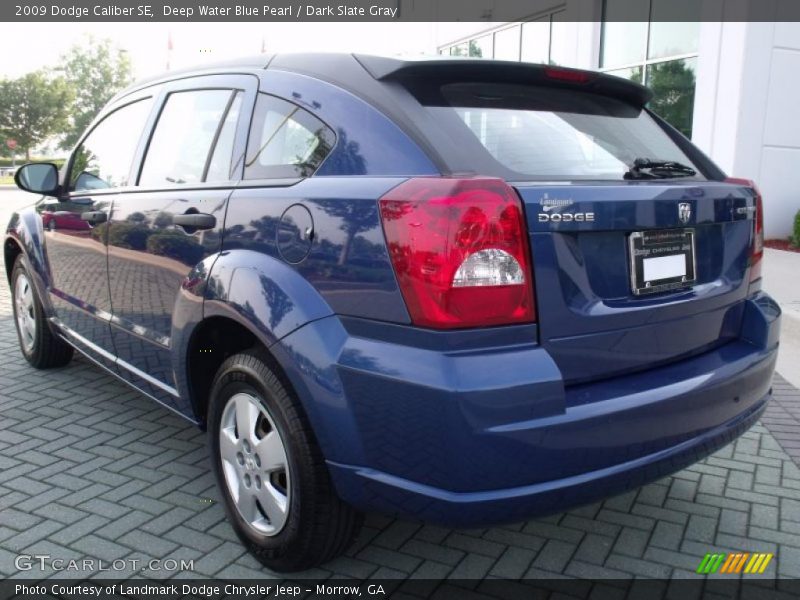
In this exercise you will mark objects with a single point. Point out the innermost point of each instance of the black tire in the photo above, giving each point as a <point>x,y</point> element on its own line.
<point>319,525</point>
<point>47,350</point>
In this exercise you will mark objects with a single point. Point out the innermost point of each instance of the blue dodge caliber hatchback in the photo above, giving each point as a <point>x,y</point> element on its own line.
<point>464,291</point>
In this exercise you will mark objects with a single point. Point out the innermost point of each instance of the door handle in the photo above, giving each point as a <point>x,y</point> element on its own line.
<point>95,217</point>
<point>195,220</point>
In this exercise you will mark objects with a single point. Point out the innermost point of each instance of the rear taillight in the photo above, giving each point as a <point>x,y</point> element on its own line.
<point>757,245</point>
<point>459,249</point>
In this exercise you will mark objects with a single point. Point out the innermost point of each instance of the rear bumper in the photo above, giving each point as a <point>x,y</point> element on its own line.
<point>374,490</point>
<point>467,436</point>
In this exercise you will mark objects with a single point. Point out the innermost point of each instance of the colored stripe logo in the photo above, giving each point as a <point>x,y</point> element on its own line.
<point>735,562</point>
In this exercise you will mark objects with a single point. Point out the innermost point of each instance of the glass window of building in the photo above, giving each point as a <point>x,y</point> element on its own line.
<point>632,73</point>
<point>673,84</point>
<point>506,43</point>
<point>545,39</point>
<point>673,38</point>
<point>459,50</point>
<point>656,51</point>
<point>624,37</point>
<point>482,47</point>
<point>536,41</point>
<point>560,39</point>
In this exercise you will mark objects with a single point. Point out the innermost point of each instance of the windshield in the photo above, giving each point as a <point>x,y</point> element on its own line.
<point>539,132</point>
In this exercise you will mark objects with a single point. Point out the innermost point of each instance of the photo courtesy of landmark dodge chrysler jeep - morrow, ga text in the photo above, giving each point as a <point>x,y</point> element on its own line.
<point>465,291</point>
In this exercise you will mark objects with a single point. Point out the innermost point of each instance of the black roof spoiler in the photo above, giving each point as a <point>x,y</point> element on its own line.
<point>501,71</point>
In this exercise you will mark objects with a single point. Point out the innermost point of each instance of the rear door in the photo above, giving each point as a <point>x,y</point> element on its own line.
<point>632,267</point>
<point>173,218</point>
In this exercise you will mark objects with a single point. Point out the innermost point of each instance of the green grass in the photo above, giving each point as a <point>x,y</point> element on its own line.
<point>6,181</point>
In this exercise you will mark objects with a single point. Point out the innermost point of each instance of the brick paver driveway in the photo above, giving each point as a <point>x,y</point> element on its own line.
<point>90,469</point>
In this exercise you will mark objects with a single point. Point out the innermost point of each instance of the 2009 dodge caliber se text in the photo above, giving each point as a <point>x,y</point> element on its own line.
<point>465,291</point>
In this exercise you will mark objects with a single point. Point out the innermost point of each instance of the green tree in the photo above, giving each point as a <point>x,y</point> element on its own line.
<point>471,49</point>
<point>475,50</point>
<point>96,71</point>
<point>33,108</point>
<point>673,85</point>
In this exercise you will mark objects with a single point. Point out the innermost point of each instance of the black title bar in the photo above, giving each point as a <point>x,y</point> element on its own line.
<point>374,10</point>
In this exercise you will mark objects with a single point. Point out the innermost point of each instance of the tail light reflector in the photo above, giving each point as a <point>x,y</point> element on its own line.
<point>459,248</point>
<point>757,245</point>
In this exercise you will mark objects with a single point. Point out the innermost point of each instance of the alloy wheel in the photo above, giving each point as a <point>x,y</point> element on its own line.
<point>26,317</point>
<point>255,464</point>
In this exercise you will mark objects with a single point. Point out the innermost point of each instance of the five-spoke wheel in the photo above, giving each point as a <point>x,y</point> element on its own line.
<point>40,346</point>
<point>26,317</point>
<point>254,463</point>
<point>274,480</point>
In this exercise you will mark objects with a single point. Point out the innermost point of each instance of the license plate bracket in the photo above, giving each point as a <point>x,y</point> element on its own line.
<point>662,260</point>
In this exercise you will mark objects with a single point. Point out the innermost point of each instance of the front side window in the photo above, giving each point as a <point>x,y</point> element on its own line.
<point>103,160</point>
<point>285,141</point>
<point>190,125</point>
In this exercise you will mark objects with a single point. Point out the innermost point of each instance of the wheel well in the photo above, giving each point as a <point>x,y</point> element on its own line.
<point>10,252</point>
<point>214,341</point>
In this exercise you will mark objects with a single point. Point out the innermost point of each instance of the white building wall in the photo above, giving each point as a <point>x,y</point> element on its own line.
<point>779,168</point>
<point>746,108</point>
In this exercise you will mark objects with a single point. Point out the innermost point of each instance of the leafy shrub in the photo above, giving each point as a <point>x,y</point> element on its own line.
<point>177,245</point>
<point>796,230</point>
<point>98,233</point>
<point>129,235</point>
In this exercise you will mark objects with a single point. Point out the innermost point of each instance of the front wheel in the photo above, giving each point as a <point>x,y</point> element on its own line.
<point>277,491</point>
<point>40,347</point>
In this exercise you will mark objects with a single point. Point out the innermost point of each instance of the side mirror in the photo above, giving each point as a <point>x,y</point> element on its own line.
<point>39,178</point>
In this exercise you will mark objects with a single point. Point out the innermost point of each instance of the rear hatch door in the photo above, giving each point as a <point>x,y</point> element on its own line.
<point>597,316</point>
<point>567,141</point>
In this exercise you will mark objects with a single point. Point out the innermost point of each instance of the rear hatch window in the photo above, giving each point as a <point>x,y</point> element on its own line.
<point>530,132</point>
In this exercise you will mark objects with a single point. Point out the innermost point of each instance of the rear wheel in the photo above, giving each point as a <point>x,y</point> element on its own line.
<point>39,345</point>
<point>277,491</point>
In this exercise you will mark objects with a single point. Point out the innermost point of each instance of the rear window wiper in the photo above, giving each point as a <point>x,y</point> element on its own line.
<point>648,168</point>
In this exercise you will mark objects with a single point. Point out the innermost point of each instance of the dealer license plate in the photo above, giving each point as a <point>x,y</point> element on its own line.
<point>661,260</point>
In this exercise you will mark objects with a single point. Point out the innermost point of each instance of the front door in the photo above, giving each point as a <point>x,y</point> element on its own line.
<point>76,226</point>
<point>172,220</point>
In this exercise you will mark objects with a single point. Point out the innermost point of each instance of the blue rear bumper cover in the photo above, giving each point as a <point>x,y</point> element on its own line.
<point>474,438</point>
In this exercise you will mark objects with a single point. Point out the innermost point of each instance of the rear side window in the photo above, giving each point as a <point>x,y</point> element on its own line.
<point>191,124</point>
<point>286,141</point>
<point>104,159</point>
<point>538,132</point>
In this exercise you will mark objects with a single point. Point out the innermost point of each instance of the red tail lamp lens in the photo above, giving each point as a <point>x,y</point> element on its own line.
<point>757,246</point>
<point>459,248</point>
